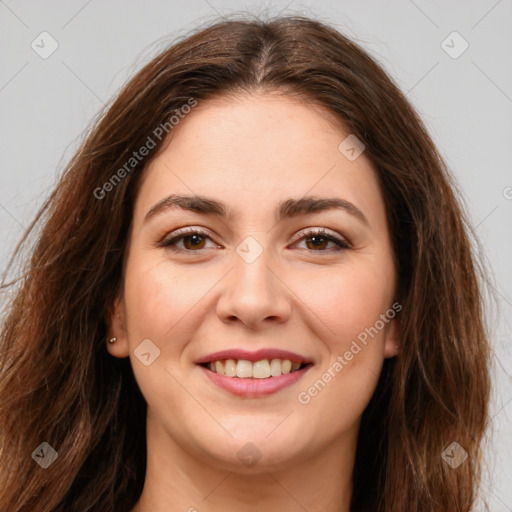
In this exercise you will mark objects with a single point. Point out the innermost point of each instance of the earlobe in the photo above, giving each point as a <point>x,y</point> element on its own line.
<point>392,340</point>
<point>118,347</point>
<point>117,340</point>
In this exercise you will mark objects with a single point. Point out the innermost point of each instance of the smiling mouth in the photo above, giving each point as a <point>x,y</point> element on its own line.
<point>263,369</point>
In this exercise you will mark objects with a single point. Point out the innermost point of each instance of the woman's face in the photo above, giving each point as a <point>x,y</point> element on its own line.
<point>257,279</point>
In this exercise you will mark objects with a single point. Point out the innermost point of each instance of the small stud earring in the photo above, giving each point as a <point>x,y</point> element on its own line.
<point>112,340</point>
<point>397,347</point>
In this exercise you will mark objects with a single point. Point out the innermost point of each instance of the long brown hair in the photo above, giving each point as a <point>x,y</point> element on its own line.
<point>59,385</point>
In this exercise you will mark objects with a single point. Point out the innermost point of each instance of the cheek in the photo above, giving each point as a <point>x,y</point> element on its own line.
<point>159,307</point>
<point>159,297</point>
<point>347,300</point>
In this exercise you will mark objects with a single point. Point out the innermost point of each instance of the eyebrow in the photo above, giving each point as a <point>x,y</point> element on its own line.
<point>289,208</point>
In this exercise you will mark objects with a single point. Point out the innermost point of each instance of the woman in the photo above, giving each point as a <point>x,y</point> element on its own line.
<point>253,290</point>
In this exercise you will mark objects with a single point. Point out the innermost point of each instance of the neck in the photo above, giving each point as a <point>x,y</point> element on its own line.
<point>178,481</point>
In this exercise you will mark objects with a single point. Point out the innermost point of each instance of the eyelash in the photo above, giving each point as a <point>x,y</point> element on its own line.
<point>342,244</point>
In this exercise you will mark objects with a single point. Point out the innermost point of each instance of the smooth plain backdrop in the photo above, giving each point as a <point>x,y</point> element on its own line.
<point>61,61</point>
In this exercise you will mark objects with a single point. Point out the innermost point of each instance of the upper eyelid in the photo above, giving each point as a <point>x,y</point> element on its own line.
<point>323,231</point>
<point>183,232</point>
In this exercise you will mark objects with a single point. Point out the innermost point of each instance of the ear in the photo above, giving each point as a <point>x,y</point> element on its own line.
<point>116,321</point>
<point>392,340</point>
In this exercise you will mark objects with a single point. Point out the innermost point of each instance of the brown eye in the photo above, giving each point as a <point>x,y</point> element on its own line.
<point>318,240</point>
<point>192,240</point>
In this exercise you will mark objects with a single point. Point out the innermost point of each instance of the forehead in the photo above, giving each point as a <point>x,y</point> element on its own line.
<point>254,151</point>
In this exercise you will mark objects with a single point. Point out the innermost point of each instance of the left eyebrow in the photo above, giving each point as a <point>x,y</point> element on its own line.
<point>289,208</point>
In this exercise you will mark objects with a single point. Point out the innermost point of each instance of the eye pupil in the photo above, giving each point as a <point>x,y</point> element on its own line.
<point>197,240</point>
<point>317,241</point>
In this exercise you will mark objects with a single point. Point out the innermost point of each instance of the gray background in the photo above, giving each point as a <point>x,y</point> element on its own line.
<point>466,102</point>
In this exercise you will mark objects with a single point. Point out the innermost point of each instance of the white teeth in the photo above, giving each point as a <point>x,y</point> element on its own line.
<point>230,368</point>
<point>219,367</point>
<point>261,369</point>
<point>275,367</point>
<point>245,369</point>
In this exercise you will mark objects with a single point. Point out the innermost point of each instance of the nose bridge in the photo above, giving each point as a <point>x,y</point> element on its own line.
<point>254,293</point>
<point>253,279</point>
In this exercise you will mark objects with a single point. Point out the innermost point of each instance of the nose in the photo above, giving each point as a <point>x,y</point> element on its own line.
<point>254,294</point>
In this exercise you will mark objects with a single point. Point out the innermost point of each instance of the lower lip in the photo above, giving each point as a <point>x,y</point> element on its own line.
<point>252,388</point>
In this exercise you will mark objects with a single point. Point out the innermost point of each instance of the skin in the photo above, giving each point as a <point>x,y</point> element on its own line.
<point>251,153</point>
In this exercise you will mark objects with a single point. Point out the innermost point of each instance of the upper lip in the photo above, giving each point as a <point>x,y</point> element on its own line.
<point>258,355</point>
